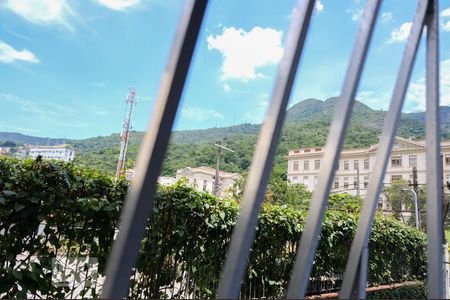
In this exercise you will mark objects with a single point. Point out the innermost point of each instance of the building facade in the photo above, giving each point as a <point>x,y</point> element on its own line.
<point>355,166</point>
<point>203,178</point>
<point>59,152</point>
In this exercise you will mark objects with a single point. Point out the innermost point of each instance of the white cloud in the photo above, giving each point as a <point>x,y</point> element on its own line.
<point>400,34</point>
<point>356,14</point>
<point>119,4</point>
<point>226,87</point>
<point>200,114</point>
<point>244,52</point>
<point>42,12</point>
<point>373,99</point>
<point>386,17</point>
<point>319,6</point>
<point>416,91</point>
<point>10,55</point>
<point>446,26</point>
<point>445,13</point>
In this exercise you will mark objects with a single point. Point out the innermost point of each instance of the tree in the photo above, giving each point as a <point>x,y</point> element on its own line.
<point>401,199</point>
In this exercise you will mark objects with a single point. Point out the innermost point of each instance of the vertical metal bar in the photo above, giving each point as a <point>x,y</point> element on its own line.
<point>244,231</point>
<point>384,150</point>
<point>140,198</point>
<point>310,236</point>
<point>361,278</point>
<point>435,255</point>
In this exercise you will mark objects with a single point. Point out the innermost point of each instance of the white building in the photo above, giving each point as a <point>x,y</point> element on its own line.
<point>166,180</point>
<point>59,152</point>
<point>203,179</point>
<point>304,165</point>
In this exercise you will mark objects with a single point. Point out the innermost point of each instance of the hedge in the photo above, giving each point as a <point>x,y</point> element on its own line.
<point>183,250</point>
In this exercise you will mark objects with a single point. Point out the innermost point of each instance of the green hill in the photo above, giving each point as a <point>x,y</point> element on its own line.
<point>306,125</point>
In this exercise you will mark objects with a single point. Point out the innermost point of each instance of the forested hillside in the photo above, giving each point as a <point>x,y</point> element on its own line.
<point>306,125</point>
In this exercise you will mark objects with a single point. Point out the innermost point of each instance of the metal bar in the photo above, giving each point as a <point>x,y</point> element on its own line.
<point>435,255</point>
<point>244,231</point>
<point>140,198</point>
<point>310,236</point>
<point>384,149</point>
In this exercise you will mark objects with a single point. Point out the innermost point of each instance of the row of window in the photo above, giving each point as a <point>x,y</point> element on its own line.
<point>205,183</point>
<point>317,165</point>
<point>347,184</point>
<point>396,161</point>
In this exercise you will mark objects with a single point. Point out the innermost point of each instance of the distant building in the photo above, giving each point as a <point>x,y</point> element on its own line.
<point>59,152</point>
<point>304,165</point>
<point>163,180</point>
<point>166,180</point>
<point>202,178</point>
<point>5,150</point>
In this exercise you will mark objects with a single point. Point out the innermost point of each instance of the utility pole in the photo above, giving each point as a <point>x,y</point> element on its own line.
<point>216,190</point>
<point>357,180</point>
<point>131,101</point>
<point>415,186</point>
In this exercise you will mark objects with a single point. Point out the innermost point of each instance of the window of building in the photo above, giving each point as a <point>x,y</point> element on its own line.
<point>345,182</point>
<point>317,164</point>
<point>315,180</point>
<point>195,180</point>
<point>380,205</point>
<point>296,151</point>
<point>295,165</point>
<point>447,159</point>
<point>366,181</point>
<point>305,180</point>
<point>366,164</point>
<point>356,164</point>
<point>336,184</point>
<point>295,179</point>
<point>318,149</point>
<point>337,166</point>
<point>307,150</point>
<point>413,160</point>
<point>205,182</point>
<point>346,165</point>
<point>396,178</point>
<point>355,182</point>
<point>306,165</point>
<point>396,161</point>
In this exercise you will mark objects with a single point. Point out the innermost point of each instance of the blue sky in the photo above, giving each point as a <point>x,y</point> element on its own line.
<point>66,65</point>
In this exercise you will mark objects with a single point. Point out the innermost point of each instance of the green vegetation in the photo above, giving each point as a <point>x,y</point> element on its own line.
<point>306,125</point>
<point>186,240</point>
<point>416,290</point>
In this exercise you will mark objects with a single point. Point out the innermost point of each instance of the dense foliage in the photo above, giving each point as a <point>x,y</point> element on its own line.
<point>416,290</point>
<point>306,125</point>
<point>184,247</point>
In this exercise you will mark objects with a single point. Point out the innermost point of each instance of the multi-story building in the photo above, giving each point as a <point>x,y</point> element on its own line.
<point>355,165</point>
<point>203,179</point>
<point>59,152</point>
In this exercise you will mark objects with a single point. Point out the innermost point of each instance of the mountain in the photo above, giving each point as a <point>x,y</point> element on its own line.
<point>19,138</point>
<point>306,125</point>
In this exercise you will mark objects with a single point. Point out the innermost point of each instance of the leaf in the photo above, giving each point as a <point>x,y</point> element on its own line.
<point>9,193</point>
<point>18,275</point>
<point>18,206</point>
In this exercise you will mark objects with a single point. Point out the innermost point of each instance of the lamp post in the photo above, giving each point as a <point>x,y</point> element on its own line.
<point>416,206</point>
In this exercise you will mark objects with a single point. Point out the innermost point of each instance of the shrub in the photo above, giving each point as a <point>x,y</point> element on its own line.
<point>185,244</point>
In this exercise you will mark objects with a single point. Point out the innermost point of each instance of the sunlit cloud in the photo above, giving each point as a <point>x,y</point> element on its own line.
<point>10,55</point>
<point>245,52</point>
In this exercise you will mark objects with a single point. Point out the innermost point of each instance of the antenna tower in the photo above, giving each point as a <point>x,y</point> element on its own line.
<point>131,101</point>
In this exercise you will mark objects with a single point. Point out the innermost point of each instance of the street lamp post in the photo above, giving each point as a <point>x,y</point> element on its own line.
<point>416,206</point>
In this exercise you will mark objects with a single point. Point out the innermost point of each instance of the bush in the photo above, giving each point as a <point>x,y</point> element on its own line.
<point>411,291</point>
<point>184,248</point>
